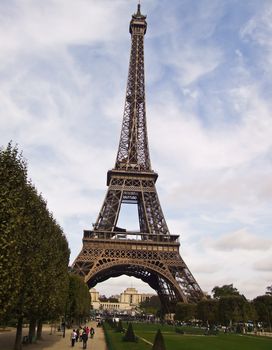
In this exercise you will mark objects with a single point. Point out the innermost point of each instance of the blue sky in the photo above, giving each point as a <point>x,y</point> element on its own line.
<point>63,72</point>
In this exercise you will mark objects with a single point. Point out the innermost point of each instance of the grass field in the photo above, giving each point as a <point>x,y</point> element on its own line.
<point>114,341</point>
<point>197,341</point>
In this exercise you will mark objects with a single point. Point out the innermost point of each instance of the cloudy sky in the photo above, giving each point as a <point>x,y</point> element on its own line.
<point>63,72</point>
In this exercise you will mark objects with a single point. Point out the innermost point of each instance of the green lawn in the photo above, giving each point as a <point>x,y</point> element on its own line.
<point>198,341</point>
<point>115,342</point>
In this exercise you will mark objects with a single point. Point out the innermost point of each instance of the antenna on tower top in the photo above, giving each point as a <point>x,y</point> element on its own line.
<point>139,8</point>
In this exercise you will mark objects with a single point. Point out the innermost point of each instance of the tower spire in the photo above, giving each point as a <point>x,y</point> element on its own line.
<point>133,152</point>
<point>139,8</point>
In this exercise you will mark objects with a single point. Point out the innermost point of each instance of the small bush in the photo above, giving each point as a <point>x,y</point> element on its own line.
<point>130,336</point>
<point>179,330</point>
<point>159,341</point>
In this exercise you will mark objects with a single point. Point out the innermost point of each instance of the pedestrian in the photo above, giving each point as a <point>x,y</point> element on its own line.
<point>84,339</point>
<point>77,334</point>
<point>87,330</point>
<point>92,332</point>
<point>73,338</point>
<point>80,334</point>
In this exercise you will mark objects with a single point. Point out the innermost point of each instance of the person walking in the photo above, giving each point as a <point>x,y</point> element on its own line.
<point>87,330</point>
<point>92,332</point>
<point>84,339</point>
<point>73,338</point>
<point>77,334</point>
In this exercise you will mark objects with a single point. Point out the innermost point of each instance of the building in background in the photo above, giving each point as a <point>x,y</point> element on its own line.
<point>128,300</point>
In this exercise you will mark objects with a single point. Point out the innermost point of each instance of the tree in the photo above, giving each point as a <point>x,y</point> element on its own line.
<point>45,255</point>
<point>207,311</point>
<point>225,290</point>
<point>234,308</point>
<point>113,299</point>
<point>130,335</point>
<point>263,306</point>
<point>13,177</point>
<point>56,280</point>
<point>151,305</point>
<point>159,341</point>
<point>103,298</point>
<point>269,290</point>
<point>34,251</point>
<point>185,312</point>
<point>79,300</point>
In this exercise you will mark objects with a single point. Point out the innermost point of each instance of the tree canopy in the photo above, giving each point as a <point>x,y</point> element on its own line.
<point>79,300</point>
<point>225,290</point>
<point>34,252</point>
<point>151,305</point>
<point>185,312</point>
<point>263,306</point>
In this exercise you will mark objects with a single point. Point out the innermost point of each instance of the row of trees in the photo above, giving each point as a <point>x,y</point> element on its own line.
<point>34,252</point>
<point>226,307</point>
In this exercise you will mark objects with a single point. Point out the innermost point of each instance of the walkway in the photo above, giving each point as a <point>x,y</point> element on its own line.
<point>54,341</point>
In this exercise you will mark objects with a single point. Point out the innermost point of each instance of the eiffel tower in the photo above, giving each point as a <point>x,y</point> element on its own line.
<point>152,253</point>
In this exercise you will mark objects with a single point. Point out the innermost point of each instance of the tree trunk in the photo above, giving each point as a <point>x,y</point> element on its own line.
<point>18,338</point>
<point>32,330</point>
<point>39,330</point>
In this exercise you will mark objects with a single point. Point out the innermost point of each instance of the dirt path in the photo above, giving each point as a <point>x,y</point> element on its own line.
<point>54,341</point>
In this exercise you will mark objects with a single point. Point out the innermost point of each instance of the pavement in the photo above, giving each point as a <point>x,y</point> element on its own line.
<point>53,340</point>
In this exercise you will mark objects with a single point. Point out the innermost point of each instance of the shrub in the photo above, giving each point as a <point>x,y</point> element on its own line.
<point>130,336</point>
<point>159,341</point>
<point>179,330</point>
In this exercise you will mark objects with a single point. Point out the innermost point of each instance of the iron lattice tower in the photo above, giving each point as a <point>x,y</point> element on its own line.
<point>152,254</point>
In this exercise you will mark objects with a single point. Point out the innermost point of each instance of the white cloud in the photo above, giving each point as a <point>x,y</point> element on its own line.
<point>264,264</point>
<point>258,31</point>
<point>242,240</point>
<point>29,25</point>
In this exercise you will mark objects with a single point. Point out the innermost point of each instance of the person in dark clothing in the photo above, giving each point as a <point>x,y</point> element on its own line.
<point>92,332</point>
<point>84,339</point>
<point>77,334</point>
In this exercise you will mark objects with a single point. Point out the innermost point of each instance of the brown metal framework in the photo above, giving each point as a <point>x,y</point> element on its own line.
<point>152,254</point>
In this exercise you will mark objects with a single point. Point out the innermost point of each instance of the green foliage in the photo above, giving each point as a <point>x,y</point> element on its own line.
<point>110,322</point>
<point>207,311</point>
<point>179,330</point>
<point>13,177</point>
<point>151,305</point>
<point>78,302</point>
<point>185,312</point>
<point>130,336</point>
<point>174,341</point>
<point>34,252</point>
<point>263,307</point>
<point>115,341</point>
<point>225,290</point>
<point>159,341</point>
<point>234,308</point>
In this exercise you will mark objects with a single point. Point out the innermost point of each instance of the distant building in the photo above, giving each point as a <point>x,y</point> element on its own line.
<point>132,297</point>
<point>129,300</point>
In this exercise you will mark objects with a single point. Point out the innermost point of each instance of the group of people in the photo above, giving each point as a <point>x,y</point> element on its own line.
<point>81,334</point>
